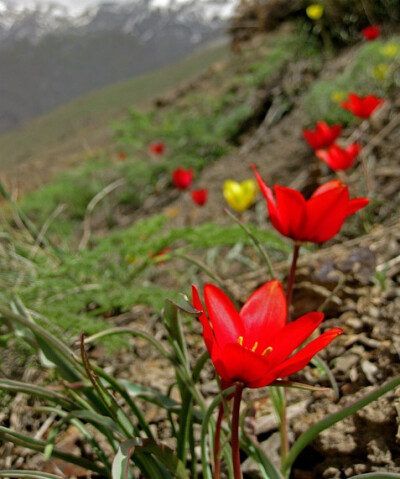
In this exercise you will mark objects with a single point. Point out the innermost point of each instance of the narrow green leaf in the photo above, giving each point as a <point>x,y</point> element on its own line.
<point>321,364</point>
<point>155,397</point>
<point>29,475</point>
<point>120,465</point>
<point>131,447</point>
<point>167,457</point>
<point>139,334</point>
<point>262,460</point>
<point>36,445</point>
<point>36,391</point>
<point>327,422</point>
<point>207,422</point>
<point>108,400</point>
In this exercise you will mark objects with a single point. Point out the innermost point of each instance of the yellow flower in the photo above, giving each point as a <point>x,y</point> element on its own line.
<point>380,72</point>
<point>391,50</point>
<point>338,96</point>
<point>315,11</point>
<point>240,196</point>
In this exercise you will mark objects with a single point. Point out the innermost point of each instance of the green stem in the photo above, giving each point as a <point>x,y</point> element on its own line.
<point>292,274</point>
<point>283,428</point>
<point>237,473</point>
<point>217,442</point>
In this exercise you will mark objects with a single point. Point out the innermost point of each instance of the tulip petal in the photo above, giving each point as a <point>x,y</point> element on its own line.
<point>299,360</point>
<point>264,313</point>
<point>207,330</point>
<point>291,207</point>
<point>302,358</point>
<point>326,212</point>
<point>225,320</point>
<point>273,211</point>
<point>356,204</point>
<point>237,363</point>
<point>293,335</point>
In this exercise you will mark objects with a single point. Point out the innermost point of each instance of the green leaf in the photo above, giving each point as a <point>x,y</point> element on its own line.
<point>332,419</point>
<point>260,458</point>
<point>129,448</point>
<point>19,439</point>
<point>120,465</point>
<point>29,475</point>
<point>155,397</point>
<point>37,391</point>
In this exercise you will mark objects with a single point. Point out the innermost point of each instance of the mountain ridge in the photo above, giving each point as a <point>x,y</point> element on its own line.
<point>47,63</point>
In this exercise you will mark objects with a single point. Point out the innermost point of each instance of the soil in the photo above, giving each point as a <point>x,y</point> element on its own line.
<point>355,277</point>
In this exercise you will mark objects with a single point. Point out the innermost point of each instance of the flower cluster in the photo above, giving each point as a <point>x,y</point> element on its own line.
<point>323,138</point>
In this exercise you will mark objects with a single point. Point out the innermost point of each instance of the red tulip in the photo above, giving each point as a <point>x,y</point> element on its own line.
<point>157,148</point>
<point>339,158</point>
<point>323,135</point>
<point>371,33</point>
<point>317,219</point>
<point>200,196</point>
<point>362,107</point>
<point>182,178</point>
<point>255,346</point>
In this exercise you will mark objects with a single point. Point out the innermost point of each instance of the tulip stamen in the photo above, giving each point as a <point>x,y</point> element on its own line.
<point>240,340</point>
<point>254,348</point>
<point>267,351</point>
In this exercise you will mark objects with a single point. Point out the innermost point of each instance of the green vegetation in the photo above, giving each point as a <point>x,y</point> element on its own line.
<point>81,290</point>
<point>197,129</point>
<point>371,71</point>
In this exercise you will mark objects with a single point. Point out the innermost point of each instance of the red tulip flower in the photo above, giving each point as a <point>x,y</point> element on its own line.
<point>371,33</point>
<point>157,148</point>
<point>182,178</point>
<point>255,346</point>
<point>339,158</point>
<point>200,196</point>
<point>323,135</point>
<point>363,107</point>
<point>317,219</point>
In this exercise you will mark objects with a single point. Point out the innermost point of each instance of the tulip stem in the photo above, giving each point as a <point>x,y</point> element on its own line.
<point>283,429</point>
<point>217,441</point>
<point>237,473</point>
<point>292,274</point>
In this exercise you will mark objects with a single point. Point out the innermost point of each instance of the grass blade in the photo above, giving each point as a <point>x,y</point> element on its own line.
<point>327,422</point>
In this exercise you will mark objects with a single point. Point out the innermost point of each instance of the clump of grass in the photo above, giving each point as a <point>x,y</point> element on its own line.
<point>360,76</point>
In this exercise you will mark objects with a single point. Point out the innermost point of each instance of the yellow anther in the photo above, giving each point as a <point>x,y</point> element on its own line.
<point>267,351</point>
<point>240,340</point>
<point>255,346</point>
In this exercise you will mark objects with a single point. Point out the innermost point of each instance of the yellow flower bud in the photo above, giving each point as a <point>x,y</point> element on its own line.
<point>315,11</point>
<point>240,196</point>
<point>391,50</point>
<point>338,96</point>
<point>380,72</point>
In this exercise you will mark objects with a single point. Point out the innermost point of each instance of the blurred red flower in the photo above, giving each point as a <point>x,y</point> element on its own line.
<point>317,219</point>
<point>371,33</point>
<point>255,346</point>
<point>363,107</point>
<point>182,178</point>
<point>121,155</point>
<point>339,158</point>
<point>157,148</point>
<point>323,135</point>
<point>200,196</point>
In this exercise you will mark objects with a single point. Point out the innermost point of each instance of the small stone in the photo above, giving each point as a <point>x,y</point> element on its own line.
<point>370,370</point>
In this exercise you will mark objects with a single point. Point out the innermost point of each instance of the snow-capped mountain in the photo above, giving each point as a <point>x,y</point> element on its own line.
<point>53,51</point>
